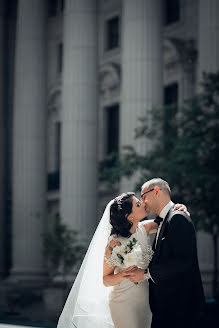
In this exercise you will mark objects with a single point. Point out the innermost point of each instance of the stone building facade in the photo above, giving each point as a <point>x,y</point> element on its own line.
<point>75,76</point>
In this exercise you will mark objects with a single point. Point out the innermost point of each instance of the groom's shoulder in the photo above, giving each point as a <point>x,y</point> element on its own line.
<point>180,223</point>
<point>179,215</point>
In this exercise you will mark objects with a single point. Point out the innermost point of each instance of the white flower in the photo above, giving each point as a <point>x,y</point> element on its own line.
<point>130,254</point>
<point>117,255</point>
<point>133,257</point>
<point>119,250</point>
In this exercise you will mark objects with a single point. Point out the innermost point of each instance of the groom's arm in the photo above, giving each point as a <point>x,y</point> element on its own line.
<point>182,242</point>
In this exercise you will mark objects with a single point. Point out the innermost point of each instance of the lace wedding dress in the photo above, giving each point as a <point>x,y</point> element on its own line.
<point>129,302</point>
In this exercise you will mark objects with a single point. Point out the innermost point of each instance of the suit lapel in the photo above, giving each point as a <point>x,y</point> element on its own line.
<point>162,231</point>
<point>154,242</point>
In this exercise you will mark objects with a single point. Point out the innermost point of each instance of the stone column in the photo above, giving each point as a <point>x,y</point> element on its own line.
<point>2,142</point>
<point>79,121</point>
<point>208,34</point>
<point>142,82</point>
<point>29,151</point>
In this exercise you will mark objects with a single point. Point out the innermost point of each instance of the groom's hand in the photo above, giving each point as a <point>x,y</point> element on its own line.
<point>135,275</point>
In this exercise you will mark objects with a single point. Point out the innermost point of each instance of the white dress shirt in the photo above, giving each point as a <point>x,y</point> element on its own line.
<point>162,215</point>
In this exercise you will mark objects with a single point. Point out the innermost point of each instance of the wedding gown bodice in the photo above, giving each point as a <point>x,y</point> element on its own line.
<point>129,302</point>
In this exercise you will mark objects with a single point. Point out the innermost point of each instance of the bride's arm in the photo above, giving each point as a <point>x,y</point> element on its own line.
<point>109,278</point>
<point>150,226</point>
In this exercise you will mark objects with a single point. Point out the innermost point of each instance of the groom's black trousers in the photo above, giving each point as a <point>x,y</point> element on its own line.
<point>171,322</point>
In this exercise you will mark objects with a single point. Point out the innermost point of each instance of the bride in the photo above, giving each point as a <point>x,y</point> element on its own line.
<point>102,296</point>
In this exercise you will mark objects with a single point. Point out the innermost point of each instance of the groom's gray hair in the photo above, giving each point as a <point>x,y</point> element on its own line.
<point>162,184</point>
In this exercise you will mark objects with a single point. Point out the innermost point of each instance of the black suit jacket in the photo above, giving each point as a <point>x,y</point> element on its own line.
<point>177,288</point>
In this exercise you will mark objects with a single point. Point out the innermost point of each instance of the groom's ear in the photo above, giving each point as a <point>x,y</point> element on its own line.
<point>157,189</point>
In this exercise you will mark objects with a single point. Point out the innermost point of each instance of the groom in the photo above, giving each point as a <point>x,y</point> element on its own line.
<point>175,288</point>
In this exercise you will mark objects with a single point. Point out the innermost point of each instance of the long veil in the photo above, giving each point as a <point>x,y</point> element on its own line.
<point>87,304</point>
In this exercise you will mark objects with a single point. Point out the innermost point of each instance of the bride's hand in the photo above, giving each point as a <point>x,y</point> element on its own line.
<point>123,274</point>
<point>135,275</point>
<point>181,207</point>
<point>131,268</point>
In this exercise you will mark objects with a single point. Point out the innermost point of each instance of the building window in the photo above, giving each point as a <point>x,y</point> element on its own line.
<point>60,58</point>
<point>57,145</point>
<point>171,94</point>
<point>55,7</point>
<point>112,129</point>
<point>54,177</point>
<point>112,27</point>
<point>62,5</point>
<point>171,11</point>
<point>170,106</point>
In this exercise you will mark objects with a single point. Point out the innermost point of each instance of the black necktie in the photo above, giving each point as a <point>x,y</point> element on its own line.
<point>158,220</point>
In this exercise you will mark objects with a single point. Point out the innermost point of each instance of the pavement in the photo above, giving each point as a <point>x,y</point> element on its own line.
<point>3,325</point>
<point>7,325</point>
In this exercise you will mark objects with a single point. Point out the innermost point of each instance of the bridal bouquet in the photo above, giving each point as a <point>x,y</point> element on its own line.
<point>129,254</point>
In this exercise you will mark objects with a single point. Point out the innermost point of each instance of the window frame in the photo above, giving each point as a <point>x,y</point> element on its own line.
<point>167,24</point>
<point>114,106</point>
<point>105,26</point>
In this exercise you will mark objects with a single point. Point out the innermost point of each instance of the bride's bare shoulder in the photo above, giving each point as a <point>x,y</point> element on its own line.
<point>111,244</point>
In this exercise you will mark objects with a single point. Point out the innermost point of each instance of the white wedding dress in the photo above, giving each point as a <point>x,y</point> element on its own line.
<point>129,302</point>
<point>90,304</point>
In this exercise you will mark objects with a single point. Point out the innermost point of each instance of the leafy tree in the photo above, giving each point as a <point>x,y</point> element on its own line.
<point>185,152</point>
<point>62,249</point>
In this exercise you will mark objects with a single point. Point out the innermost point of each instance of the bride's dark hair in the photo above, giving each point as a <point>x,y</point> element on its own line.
<point>119,211</point>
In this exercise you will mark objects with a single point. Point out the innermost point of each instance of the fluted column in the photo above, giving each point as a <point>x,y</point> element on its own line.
<point>29,152</point>
<point>208,34</point>
<point>142,86</point>
<point>79,124</point>
<point>2,141</point>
